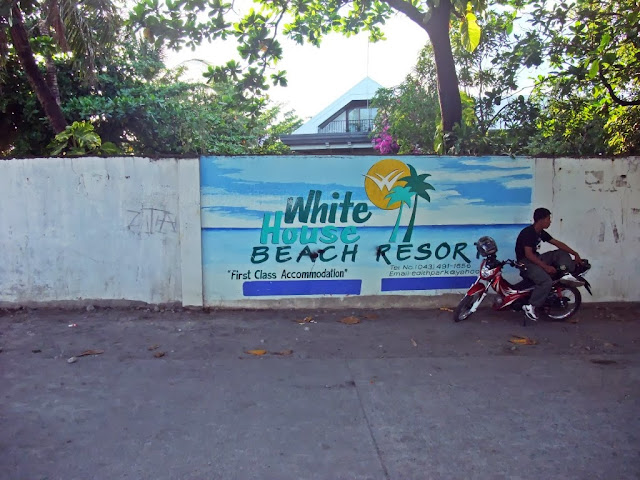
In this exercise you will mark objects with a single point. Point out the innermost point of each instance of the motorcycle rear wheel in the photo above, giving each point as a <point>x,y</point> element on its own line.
<point>463,310</point>
<point>572,298</point>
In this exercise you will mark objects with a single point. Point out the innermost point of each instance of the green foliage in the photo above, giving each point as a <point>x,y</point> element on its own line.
<point>623,130</point>
<point>166,116</point>
<point>79,139</point>
<point>594,44</point>
<point>188,23</point>
<point>179,23</point>
<point>587,102</point>
<point>577,126</point>
<point>591,99</point>
<point>143,109</point>
<point>410,112</point>
<point>470,31</point>
<point>585,106</point>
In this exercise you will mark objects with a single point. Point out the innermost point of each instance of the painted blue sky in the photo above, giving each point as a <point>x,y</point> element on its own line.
<point>237,191</point>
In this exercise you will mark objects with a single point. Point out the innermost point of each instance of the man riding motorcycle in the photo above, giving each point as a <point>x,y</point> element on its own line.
<point>540,267</point>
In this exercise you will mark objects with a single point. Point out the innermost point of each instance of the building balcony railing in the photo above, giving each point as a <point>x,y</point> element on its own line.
<point>349,126</point>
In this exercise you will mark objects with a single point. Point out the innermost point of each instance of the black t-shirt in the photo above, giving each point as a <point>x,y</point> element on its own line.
<point>528,237</point>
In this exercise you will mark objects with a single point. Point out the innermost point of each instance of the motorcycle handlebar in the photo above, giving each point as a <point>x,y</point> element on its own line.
<point>493,262</point>
<point>514,264</point>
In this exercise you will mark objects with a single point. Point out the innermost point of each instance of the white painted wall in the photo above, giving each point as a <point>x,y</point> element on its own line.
<point>595,205</point>
<point>99,229</point>
<point>109,229</point>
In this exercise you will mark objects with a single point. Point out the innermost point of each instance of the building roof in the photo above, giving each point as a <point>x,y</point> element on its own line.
<point>363,90</point>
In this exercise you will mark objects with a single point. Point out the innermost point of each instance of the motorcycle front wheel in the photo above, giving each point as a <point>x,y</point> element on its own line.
<point>565,305</point>
<point>463,310</point>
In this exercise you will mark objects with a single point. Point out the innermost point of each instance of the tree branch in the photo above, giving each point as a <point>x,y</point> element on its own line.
<point>23,49</point>
<point>273,38</point>
<point>612,94</point>
<point>409,10</point>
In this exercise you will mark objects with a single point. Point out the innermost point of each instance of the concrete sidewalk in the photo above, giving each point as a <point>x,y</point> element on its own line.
<point>403,394</point>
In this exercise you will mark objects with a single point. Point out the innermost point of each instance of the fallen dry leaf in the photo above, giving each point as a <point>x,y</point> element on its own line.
<point>446,309</point>
<point>153,347</point>
<point>413,342</point>
<point>90,352</point>
<point>256,352</point>
<point>349,320</point>
<point>159,354</point>
<point>572,320</point>
<point>308,319</point>
<point>517,339</point>
<point>283,352</point>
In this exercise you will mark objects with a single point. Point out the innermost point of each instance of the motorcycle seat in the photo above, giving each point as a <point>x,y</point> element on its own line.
<point>523,284</point>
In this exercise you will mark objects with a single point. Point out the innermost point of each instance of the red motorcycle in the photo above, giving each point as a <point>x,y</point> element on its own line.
<point>562,302</point>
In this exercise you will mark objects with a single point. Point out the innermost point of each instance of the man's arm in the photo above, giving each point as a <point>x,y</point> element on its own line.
<point>563,246</point>
<point>533,258</point>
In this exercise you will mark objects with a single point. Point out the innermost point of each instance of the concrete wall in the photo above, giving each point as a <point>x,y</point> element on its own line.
<point>111,230</point>
<point>100,229</point>
<point>595,204</point>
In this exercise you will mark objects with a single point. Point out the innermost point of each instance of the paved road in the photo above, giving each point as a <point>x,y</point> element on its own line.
<point>403,394</point>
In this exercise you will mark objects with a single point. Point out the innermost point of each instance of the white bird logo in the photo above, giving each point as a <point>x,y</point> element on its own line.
<point>385,182</point>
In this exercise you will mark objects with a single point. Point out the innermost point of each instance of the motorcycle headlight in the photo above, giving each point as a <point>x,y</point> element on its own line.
<point>486,271</point>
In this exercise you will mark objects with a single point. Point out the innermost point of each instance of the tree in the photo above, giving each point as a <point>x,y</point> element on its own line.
<point>144,109</point>
<point>593,45</point>
<point>310,20</point>
<point>11,17</point>
<point>181,23</point>
<point>85,28</point>
<point>409,114</point>
<point>570,110</point>
<point>313,19</point>
<point>121,92</point>
<point>590,100</point>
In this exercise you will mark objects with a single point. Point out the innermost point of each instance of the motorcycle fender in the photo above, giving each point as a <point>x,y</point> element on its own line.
<point>572,281</point>
<point>475,288</point>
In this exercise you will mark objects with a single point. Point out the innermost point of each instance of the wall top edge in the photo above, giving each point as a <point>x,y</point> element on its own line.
<point>96,157</point>
<point>191,157</point>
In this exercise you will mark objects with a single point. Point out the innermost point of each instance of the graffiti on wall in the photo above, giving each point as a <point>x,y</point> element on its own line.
<point>151,220</point>
<point>318,225</point>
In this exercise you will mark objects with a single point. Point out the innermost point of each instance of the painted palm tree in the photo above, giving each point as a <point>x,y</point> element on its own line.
<point>402,195</point>
<point>416,183</point>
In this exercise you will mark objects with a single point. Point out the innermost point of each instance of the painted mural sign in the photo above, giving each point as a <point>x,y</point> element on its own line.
<point>284,226</point>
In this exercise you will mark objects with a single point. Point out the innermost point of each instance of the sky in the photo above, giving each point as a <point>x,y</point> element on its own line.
<point>318,76</point>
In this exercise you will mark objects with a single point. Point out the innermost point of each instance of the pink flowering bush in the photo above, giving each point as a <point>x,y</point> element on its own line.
<point>384,143</point>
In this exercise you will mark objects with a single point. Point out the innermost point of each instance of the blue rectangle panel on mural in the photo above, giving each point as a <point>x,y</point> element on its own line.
<point>301,287</point>
<point>425,283</point>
